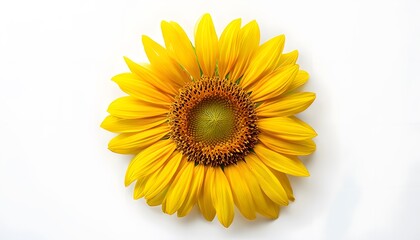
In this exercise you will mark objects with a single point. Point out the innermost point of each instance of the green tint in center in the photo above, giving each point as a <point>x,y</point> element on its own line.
<point>212,120</point>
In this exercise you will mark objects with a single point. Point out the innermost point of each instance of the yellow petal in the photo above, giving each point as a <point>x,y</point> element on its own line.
<point>130,108</point>
<point>158,199</point>
<point>139,187</point>
<point>172,73</point>
<point>165,176</point>
<point>267,180</point>
<point>134,86</point>
<point>290,165</point>
<point>151,178</point>
<point>304,147</point>
<point>286,106</point>
<point>127,143</point>
<point>115,124</point>
<point>164,206</point>
<point>274,84</point>
<point>143,183</point>
<point>284,180</point>
<point>263,204</point>
<point>300,79</point>
<point>204,195</point>
<point>196,184</point>
<point>264,61</point>
<point>242,195</point>
<point>288,59</point>
<point>179,188</point>
<point>149,160</point>
<point>229,48</point>
<point>286,128</point>
<point>248,41</point>
<point>273,209</point>
<point>206,45</point>
<point>222,198</point>
<point>147,75</point>
<point>180,48</point>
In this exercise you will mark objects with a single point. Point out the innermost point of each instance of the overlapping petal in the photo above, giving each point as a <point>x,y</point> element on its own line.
<point>286,164</point>
<point>149,160</point>
<point>268,182</point>
<point>265,60</point>
<point>164,176</point>
<point>286,106</point>
<point>300,79</point>
<point>286,128</point>
<point>248,42</point>
<point>180,48</point>
<point>179,189</point>
<point>172,74</point>
<point>280,145</point>
<point>129,143</point>
<point>132,108</point>
<point>196,185</point>
<point>288,59</point>
<point>284,180</point>
<point>121,125</point>
<point>139,187</point>
<point>242,194</point>
<point>263,205</point>
<point>134,86</point>
<point>274,84</point>
<point>158,199</point>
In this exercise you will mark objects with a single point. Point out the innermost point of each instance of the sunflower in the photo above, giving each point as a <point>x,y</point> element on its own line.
<point>212,123</point>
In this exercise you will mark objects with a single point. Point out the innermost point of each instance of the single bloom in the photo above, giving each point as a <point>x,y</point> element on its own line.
<point>211,123</point>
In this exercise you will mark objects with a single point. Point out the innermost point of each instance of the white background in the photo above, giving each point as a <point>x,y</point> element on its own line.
<point>59,181</point>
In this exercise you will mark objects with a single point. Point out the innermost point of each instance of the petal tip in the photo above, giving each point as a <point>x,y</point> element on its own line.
<point>226,224</point>
<point>127,182</point>
<point>144,38</point>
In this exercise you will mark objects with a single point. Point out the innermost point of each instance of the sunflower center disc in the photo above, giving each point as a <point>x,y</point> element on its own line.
<point>213,122</point>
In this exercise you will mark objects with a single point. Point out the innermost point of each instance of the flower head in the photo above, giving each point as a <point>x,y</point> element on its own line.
<point>212,123</point>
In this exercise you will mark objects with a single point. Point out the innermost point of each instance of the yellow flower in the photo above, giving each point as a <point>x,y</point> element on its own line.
<point>211,123</point>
